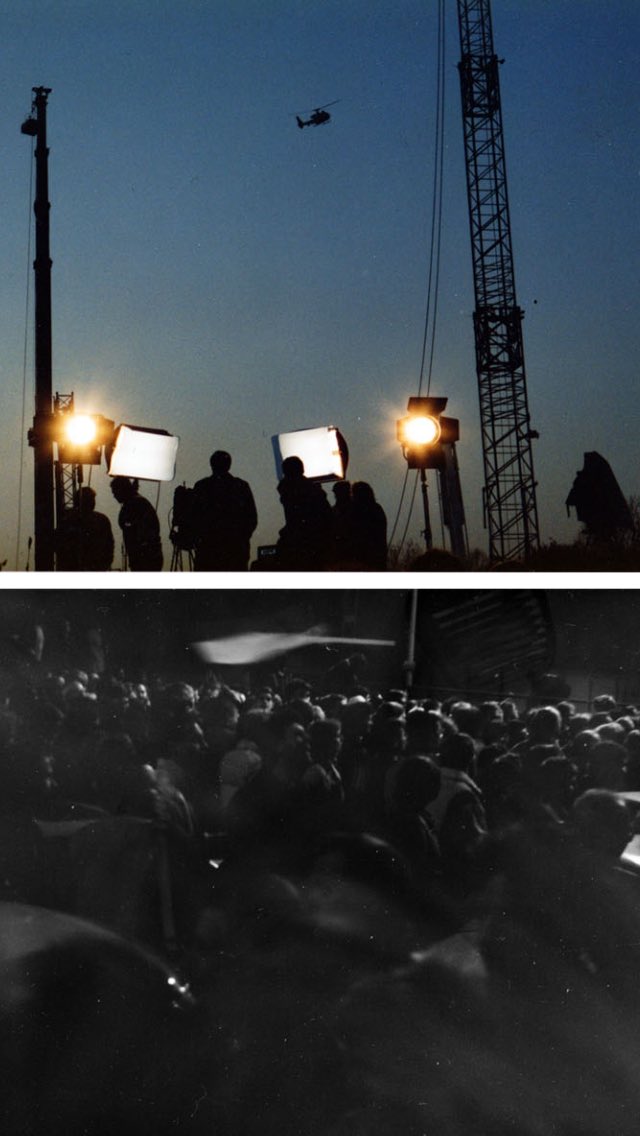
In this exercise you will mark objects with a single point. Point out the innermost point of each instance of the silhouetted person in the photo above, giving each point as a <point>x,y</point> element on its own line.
<point>225,518</point>
<point>304,542</point>
<point>140,527</point>
<point>368,528</point>
<point>342,552</point>
<point>84,540</point>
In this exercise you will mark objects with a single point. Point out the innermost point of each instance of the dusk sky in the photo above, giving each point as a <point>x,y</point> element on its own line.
<point>226,276</point>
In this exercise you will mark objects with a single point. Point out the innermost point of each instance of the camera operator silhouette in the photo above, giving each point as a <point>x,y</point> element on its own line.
<point>224,518</point>
<point>140,527</point>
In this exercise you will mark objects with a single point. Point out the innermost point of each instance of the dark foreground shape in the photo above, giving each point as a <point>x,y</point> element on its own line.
<point>95,1033</point>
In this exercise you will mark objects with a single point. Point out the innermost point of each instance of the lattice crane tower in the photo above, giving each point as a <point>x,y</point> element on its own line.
<point>510,487</point>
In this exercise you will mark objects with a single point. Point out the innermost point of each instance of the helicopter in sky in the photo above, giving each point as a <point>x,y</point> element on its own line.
<point>317,117</point>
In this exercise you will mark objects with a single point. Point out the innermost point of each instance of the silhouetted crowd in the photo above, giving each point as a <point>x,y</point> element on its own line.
<point>213,523</point>
<point>400,913</point>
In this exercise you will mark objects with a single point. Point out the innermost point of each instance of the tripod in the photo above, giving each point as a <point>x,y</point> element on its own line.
<point>177,556</point>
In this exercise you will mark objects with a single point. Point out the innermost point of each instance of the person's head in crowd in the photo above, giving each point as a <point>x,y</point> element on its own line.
<point>261,699</point>
<point>397,696</point>
<point>599,718</point>
<point>466,717</point>
<point>139,692</point>
<point>602,822</point>
<point>342,492</point>
<point>607,766</point>
<point>219,718</point>
<point>632,742</point>
<point>332,704</point>
<point>389,709</point>
<point>423,731</point>
<point>612,732</point>
<point>458,751</point>
<point>355,716</point>
<point>567,712</point>
<point>626,722</point>
<point>301,710</point>
<point>292,756</point>
<point>544,724</point>
<point>509,709</point>
<point>325,741</point>
<point>124,489</point>
<point>492,724</point>
<point>604,704</point>
<point>577,723</point>
<point>582,743</point>
<point>298,689</point>
<point>362,494</point>
<point>388,736</point>
<point>180,698</point>
<point>220,462</point>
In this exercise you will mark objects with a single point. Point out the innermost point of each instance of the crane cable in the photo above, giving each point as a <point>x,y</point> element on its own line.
<point>434,258</point>
<point>436,214</point>
<point>24,364</point>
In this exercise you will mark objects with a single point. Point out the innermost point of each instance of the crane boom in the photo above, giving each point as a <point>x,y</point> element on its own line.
<point>510,487</point>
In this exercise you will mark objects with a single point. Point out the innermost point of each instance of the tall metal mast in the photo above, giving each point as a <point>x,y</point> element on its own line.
<point>510,487</point>
<point>41,437</point>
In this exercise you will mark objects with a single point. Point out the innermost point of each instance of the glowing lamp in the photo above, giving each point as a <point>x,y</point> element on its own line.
<point>322,450</point>
<point>421,430</point>
<point>424,429</point>
<point>143,453</point>
<point>80,429</point>
<point>80,438</point>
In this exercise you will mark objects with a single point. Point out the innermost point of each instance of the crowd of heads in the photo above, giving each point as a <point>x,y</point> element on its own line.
<point>288,760</point>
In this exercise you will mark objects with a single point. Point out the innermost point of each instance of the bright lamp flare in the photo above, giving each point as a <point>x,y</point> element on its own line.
<point>80,429</point>
<point>421,430</point>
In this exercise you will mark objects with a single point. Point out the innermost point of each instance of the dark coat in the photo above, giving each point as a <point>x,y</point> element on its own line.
<point>225,519</point>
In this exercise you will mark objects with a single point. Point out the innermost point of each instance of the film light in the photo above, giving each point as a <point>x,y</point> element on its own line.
<point>322,450</point>
<point>80,437</point>
<point>143,453</point>
<point>423,431</point>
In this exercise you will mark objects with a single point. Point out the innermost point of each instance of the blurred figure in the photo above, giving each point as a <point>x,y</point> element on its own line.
<point>140,527</point>
<point>225,518</point>
<point>83,539</point>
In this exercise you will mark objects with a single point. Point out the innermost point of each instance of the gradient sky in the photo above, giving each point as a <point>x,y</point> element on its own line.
<point>224,275</point>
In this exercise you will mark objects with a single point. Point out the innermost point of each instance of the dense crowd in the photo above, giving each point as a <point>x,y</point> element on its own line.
<point>439,886</point>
